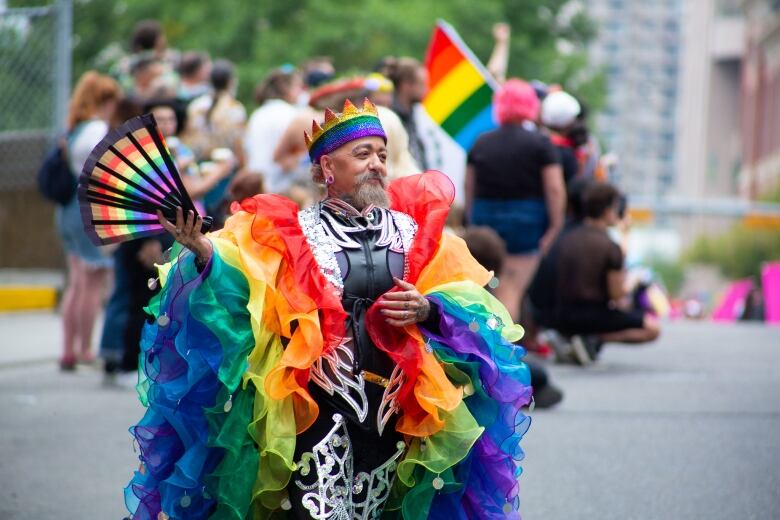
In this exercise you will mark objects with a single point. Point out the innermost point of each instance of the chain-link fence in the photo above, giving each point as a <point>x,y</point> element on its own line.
<point>34,83</point>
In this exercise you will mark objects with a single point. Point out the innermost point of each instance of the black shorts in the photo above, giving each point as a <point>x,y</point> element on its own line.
<point>597,319</point>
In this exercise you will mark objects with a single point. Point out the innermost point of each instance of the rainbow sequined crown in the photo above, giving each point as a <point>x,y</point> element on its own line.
<point>339,129</point>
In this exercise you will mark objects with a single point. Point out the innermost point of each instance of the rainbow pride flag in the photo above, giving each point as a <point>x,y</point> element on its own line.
<point>460,99</point>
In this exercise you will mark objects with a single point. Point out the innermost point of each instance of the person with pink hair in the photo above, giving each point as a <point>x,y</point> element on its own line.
<point>514,185</point>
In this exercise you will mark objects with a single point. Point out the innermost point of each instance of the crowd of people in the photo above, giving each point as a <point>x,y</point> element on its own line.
<point>538,209</point>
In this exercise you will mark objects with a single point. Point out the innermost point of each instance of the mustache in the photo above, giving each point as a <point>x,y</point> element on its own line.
<point>370,176</point>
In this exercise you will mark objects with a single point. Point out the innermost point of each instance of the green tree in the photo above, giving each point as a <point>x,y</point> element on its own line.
<point>258,36</point>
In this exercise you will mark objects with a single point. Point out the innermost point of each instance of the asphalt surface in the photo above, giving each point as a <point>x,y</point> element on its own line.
<point>688,428</point>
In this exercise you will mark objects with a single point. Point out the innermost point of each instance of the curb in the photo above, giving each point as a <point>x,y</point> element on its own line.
<point>27,297</point>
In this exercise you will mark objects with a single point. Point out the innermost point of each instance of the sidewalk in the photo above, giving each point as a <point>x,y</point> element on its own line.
<point>30,289</point>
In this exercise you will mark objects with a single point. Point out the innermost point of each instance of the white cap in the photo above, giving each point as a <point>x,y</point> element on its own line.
<point>559,109</point>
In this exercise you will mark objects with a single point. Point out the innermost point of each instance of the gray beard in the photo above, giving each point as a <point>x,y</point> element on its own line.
<point>366,194</point>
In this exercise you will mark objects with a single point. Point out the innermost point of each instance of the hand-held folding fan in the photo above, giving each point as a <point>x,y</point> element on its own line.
<point>128,177</point>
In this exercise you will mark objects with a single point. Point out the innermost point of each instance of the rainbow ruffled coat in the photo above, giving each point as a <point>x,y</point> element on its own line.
<point>225,371</point>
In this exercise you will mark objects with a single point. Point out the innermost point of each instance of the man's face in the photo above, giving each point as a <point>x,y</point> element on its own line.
<point>359,172</point>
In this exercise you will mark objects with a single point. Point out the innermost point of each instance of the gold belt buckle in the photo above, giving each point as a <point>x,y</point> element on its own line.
<point>374,378</point>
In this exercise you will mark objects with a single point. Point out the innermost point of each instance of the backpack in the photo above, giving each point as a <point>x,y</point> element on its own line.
<point>55,180</point>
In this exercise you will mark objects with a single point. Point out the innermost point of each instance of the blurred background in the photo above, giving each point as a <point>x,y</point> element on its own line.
<point>682,96</point>
<point>683,106</point>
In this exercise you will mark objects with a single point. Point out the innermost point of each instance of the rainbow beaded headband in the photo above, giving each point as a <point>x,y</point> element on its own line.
<point>339,129</point>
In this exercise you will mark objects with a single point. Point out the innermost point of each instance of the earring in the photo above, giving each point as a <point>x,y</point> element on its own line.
<point>329,180</point>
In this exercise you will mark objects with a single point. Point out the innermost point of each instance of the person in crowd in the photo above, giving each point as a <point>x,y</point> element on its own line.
<point>591,292</point>
<point>119,357</point>
<point>587,148</point>
<point>198,179</point>
<point>317,71</point>
<point>194,73</point>
<point>489,250</point>
<point>216,123</point>
<point>147,41</point>
<point>542,290</point>
<point>276,97</point>
<point>410,79</point>
<point>514,185</point>
<point>540,304</point>
<point>348,336</point>
<point>400,162</point>
<point>147,73</point>
<point>559,114</point>
<point>216,119</point>
<point>92,106</point>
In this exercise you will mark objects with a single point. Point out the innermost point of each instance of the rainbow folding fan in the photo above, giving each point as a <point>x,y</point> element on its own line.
<point>130,175</point>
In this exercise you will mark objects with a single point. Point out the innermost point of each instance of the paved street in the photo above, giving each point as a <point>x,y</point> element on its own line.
<point>686,429</point>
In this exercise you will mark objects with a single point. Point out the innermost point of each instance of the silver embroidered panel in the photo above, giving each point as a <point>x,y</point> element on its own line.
<point>389,404</point>
<point>332,491</point>
<point>390,235</point>
<point>333,373</point>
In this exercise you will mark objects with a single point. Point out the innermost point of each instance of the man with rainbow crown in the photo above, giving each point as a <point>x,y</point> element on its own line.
<point>338,362</point>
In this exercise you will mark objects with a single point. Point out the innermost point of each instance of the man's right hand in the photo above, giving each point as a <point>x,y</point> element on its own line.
<point>187,233</point>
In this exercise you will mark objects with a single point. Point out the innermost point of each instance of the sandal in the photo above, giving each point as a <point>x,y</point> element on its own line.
<point>68,364</point>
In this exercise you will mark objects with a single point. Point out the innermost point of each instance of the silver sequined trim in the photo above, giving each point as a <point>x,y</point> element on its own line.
<point>408,229</point>
<point>322,246</point>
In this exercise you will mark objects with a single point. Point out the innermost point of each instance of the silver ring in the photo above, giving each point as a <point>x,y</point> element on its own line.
<point>178,231</point>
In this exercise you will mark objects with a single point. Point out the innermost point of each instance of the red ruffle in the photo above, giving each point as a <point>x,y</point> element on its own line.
<point>306,284</point>
<point>427,198</point>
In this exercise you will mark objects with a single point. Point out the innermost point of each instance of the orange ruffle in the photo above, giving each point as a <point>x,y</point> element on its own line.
<point>301,305</point>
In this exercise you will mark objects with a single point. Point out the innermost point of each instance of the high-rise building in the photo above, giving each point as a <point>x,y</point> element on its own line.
<point>638,47</point>
<point>761,98</point>
<point>709,143</point>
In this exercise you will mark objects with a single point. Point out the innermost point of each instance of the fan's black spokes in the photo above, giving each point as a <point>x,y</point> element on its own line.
<point>143,190</point>
<point>139,172</point>
<point>107,200</point>
<point>129,196</point>
<point>150,161</point>
<point>126,221</point>
<point>171,167</point>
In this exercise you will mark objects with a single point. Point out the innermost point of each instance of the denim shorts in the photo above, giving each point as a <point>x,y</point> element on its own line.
<point>75,240</point>
<point>521,223</point>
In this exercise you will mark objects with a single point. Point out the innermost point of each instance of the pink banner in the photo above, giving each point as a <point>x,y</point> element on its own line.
<point>770,280</point>
<point>733,302</point>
